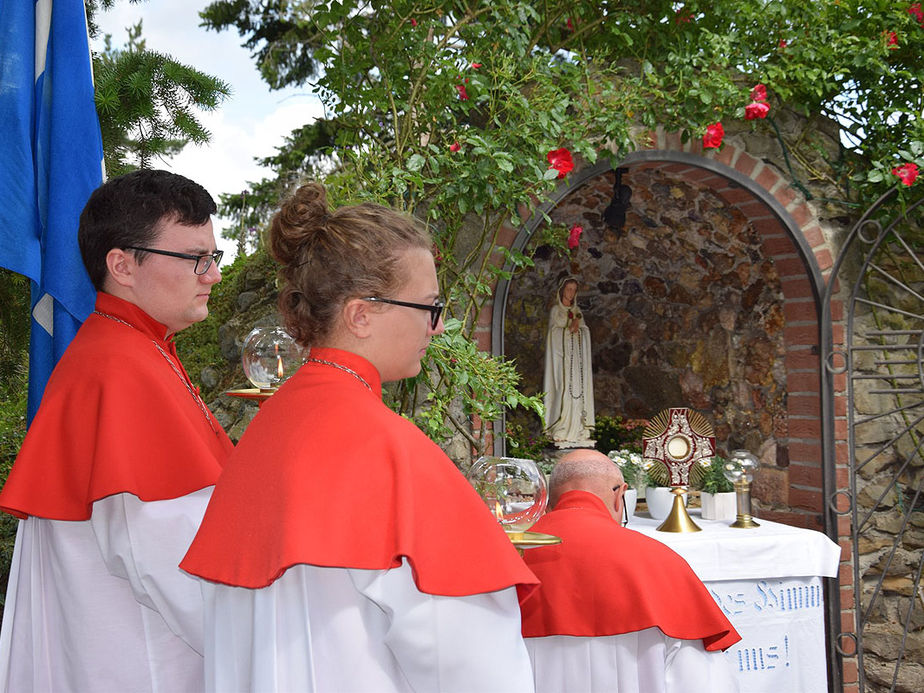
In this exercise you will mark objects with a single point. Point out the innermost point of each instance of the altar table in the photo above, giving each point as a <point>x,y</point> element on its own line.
<point>767,580</point>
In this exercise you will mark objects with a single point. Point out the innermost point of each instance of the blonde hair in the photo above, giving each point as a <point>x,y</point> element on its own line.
<point>329,257</point>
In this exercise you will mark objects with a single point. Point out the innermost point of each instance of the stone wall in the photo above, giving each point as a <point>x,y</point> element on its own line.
<point>683,309</point>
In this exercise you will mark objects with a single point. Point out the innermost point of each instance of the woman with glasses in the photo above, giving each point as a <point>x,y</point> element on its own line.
<point>343,551</point>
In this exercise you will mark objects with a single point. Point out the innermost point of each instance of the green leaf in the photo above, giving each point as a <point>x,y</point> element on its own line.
<point>416,162</point>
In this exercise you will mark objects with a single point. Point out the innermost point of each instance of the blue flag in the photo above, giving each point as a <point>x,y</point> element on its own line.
<point>50,161</point>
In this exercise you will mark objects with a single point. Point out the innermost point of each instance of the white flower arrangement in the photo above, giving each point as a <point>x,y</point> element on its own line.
<point>633,466</point>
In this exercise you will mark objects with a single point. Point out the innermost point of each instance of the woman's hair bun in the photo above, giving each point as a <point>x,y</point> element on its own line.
<point>330,256</point>
<point>299,218</point>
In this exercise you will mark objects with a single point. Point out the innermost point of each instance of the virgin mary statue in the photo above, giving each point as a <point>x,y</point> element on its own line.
<point>568,382</point>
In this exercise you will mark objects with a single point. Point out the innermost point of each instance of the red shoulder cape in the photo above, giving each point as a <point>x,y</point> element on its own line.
<point>115,418</point>
<point>604,579</point>
<point>327,475</point>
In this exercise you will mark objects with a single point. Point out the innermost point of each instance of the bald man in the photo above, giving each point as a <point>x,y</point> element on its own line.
<point>617,610</point>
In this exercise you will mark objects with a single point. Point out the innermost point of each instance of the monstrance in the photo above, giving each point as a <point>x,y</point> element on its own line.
<point>516,492</point>
<point>678,443</point>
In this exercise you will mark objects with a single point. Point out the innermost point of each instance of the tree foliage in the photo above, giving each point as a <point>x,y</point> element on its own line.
<point>147,102</point>
<point>281,40</point>
<point>14,344</point>
<point>447,109</point>
<point>859,63</point>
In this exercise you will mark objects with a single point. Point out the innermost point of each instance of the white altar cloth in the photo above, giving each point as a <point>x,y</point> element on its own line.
<point>721,552</point>
<point>767,580</point>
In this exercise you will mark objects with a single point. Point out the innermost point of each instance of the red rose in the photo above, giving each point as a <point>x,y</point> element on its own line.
<point>561,161</point>
<point>455,146</point>
<point>475,66</point>
<point>759,93</point>
<point>413,22</point>
<point>892,41</point>
<point>783,43</point>
<point>574,236</point>
<point>756,110</point>
<point>713,137</point>
<point>907,173</point>
<point>915,11</point>
<point>463,94</point>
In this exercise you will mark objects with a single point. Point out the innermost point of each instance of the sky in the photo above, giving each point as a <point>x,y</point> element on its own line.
<point>249,124</point>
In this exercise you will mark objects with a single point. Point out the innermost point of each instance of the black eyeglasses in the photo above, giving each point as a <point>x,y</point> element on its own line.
<point>436,310</point>
<point>203,262</point>
<point>625,510</point>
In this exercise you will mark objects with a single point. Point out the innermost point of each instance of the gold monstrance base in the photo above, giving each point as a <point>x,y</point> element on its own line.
<point>679,520</point>
<point>256,393</point>
<point>530,540</point>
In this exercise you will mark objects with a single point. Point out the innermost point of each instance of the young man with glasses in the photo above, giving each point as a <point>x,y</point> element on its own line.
<point>118,464</point>
<point>616,610</point>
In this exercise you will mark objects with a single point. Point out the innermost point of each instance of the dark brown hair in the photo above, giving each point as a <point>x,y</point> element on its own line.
<point>330,257</point>
<point>127,210</point>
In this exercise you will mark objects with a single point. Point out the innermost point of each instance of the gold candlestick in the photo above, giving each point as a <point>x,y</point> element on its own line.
<point>744,520</point>
<point>739,469</point>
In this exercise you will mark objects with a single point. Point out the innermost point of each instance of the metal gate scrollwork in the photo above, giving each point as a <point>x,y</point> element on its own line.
<point>878,280</point>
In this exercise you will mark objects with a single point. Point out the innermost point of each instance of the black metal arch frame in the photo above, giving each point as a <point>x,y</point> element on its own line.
<point>866,238</point>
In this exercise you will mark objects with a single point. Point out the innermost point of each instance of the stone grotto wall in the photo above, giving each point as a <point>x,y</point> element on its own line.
<point>683,309</point>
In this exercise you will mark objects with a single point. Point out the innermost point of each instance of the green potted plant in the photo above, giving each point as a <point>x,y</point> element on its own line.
<point>717,493</point>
